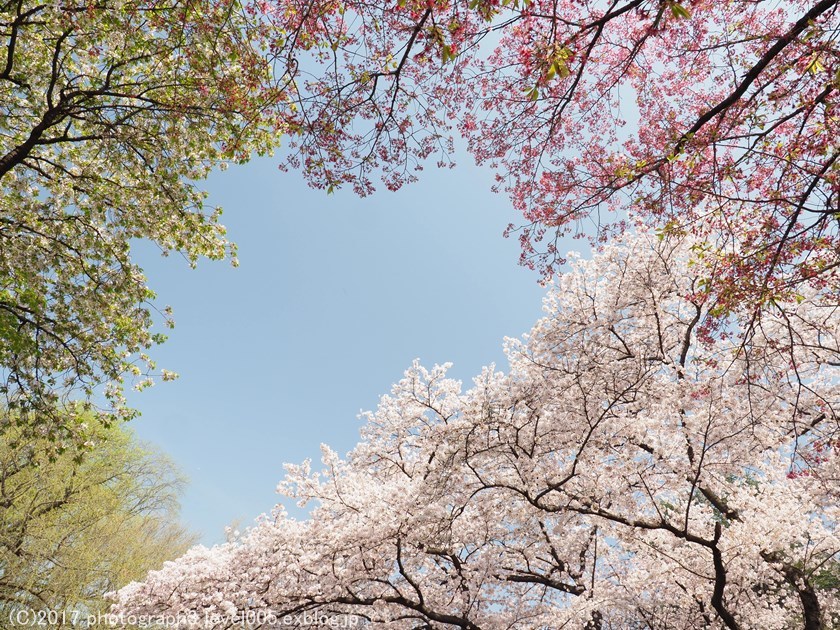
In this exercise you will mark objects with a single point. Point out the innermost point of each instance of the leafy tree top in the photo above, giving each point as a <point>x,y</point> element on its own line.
<point>109,114</point>
<point>72,529</point>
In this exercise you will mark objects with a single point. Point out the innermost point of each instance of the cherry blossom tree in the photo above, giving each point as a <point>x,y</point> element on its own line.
<point>632,469</point>
<point>109,114</point>
<point>719,118</point>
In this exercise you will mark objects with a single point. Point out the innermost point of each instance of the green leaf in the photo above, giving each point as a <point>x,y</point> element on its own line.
<point>679,11</point>
<point>815,66</point>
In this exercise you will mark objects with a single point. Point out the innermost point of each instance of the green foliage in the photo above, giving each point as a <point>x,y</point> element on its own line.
<point>679,11</point>
<point>73,528</point>
<point>109,114</point>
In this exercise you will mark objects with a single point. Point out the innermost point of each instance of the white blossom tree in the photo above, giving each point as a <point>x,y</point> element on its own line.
<point>110,112</point>
<point>627,472</point>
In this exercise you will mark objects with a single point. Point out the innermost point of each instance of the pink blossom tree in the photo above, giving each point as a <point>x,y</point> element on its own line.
<point>719,118</point>
<point>626,472</point>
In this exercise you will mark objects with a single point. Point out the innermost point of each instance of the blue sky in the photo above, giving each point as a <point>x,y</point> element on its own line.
<point>334,297</point>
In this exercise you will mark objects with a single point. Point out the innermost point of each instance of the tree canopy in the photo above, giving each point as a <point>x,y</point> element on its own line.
<point>627,472</point>
<point>715,117</point>
<point>72,530</point>
<point>663,452</point>
<point>110,112</point>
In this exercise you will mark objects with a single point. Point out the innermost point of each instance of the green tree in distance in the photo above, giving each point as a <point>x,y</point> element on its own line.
<point>72,529</point>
